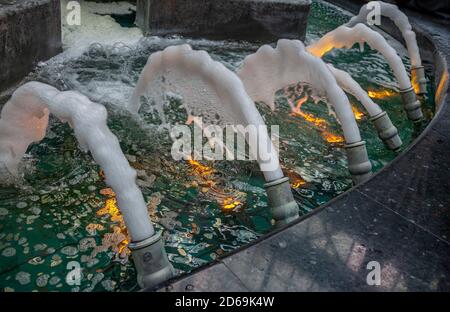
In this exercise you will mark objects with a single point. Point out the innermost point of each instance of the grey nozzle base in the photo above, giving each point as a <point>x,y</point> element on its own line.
<point>386,131</point>
<point>358,162</point>
<point>281,201</point>
<point>151,262</point>
<point>419,79</point>
<point>411,105</point>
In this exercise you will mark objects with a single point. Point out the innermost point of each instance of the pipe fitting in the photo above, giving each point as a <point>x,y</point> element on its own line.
<point>411,105</point>
<point>358,162</point>
<point>419,79</point>
<point>386,131</point>
<point>151,262</point>
<point>281,201</point>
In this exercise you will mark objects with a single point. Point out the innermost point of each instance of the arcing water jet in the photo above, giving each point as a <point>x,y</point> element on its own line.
<point>386,130</point>
<point>212,91</point>
<point>392,12</point>
<point>345,37</point>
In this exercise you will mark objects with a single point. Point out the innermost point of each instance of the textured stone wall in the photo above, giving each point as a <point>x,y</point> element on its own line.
<point>30,31</point>
<point>240,19</point>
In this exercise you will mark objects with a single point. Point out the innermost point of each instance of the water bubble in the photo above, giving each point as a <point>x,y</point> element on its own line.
<point>30,219</point>
<point>21,205</point>
<point>54,280</point>
<point>23,278</point>
<point>9,252</point>
<point>35,210</point>
<point>92,262</point>
<point>42,280</point>
<point>3,211</point>
<point>69,251</point>
<point>50,250</point>
<point>109,285</point>
<point>39,247</point>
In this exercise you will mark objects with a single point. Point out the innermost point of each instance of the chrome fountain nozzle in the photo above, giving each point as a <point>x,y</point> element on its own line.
<point>151,262</point>
<point>281,201</point>
<point>387,132</point>
<point>419,79</point>
<point>411,105</point>
<point>358,162</point>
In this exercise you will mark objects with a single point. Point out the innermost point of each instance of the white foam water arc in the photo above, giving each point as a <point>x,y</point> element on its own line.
<point>269,70</point>
<point>383,124</point>
<point>346,37</point>
<point>209,90</point>
<point>349,85</point>
<point>392,12</point>
<point>24,120</point>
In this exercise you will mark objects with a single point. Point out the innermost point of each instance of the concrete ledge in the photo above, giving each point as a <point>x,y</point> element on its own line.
<point>30,31</point>
<point>237,19</point>
<point>399,218</point>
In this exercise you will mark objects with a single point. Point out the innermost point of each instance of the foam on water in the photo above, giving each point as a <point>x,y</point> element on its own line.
<point>95,27</point>
<point>349,85</point>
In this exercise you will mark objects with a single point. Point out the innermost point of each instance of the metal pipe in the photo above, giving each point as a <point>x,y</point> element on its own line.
<point>358,162</point>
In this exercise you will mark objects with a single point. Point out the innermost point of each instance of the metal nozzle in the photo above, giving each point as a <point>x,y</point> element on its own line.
<point>358,162</point>
<point>386,131</point>
<point>281,201</point>
<point>411,105</point>
<point>150,258</point>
